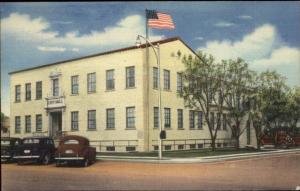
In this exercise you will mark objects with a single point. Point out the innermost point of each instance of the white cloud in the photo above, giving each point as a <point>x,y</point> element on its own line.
<point>223,24</point>
<point>51,49</point>
<point>199,38</point>
<point>245,17</point>
<point>75,49</point>
<point>38,30</point>
<point>262,49</point>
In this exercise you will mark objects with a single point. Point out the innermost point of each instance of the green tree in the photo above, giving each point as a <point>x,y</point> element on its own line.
<point>200,88</point>
<point>238,82</point>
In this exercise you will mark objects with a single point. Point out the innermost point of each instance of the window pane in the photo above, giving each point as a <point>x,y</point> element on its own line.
<point>180,118</point>
<point>17,124</point>
<point>192,120</point>
<point>224,122</point>
<point>74,120</point>
<point>179,82</point>
<point>91,82</point>
<point>200,119</point>
<point>110,118</point>
<point>155,77</point>
<point>55,87</point>
<point>28,91</point>
<point>166,79</point>
<point>130,117</point>
<point>18,93</point>
<point>38,123</point>
<point>110,82</point>
<point>212,120</point>
<point>74,84</point>
<point>167,117</point>
<point>27,123</point>
<point>38,90</point>
<point>91,119</point>
<point>130,78</point>
<point>156,117</point>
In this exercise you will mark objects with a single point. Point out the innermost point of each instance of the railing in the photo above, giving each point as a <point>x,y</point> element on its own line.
<point>102,144</point>
<point>55,102</point>
<point>206,143</point>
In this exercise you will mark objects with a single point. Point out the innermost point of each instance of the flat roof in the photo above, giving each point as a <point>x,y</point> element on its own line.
<point>104,53</point>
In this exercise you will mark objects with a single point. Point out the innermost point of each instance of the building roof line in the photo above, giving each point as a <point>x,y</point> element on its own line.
<point>104,53</point>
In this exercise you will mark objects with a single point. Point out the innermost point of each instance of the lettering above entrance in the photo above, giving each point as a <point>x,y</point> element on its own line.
<point>55,102</point>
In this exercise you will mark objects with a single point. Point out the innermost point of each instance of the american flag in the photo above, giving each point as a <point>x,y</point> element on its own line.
<point>159,20</point>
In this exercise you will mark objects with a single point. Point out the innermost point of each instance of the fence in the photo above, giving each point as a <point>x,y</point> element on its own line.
<point>115,145</point>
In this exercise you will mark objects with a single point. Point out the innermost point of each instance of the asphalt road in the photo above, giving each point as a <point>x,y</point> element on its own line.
<point>268,173</point>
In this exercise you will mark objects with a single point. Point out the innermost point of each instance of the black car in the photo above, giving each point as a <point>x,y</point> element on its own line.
<point>8,148</point>
<point>36,149</point>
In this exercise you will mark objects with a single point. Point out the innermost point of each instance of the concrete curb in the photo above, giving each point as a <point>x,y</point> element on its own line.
<point>198,159</point>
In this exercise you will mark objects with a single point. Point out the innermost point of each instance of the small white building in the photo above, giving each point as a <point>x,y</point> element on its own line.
<point>112,99</point>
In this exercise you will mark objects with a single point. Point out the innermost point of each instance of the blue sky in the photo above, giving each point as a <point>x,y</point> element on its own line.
<point>265,34</point>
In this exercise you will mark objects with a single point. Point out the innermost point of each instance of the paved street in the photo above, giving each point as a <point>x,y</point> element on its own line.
<point>276,172</point>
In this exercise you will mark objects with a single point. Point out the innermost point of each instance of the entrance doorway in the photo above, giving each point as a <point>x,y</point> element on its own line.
<point>56,124</point>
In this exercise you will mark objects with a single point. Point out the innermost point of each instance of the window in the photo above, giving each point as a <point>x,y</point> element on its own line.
<point>17,124</point>
<point>130,117</point>
<point>200,146</point>
<point>156,117</point>
<point>180,118</point>
<point>130,81</point>
<point>110,118</point>
<point>27,124</point>
<point>110,81</point>
<point>18,93</point>
<point>179,82</point>
<point>155,147</point>
<point>168,147</point>
<point>39,90</point>
<point>91,80</point>
<point>166,79</point>
<point>74,120</point>
<point>212,120</point>
<point>219,145</point>
<point>192,146</point>
<point>38,123</point>
<point>167,117</point>
<point>91,119</point>
<point>224,122</point>
<point>74,85</point>
<point>180,147</point>
<point>110,148</point>
<point>219,121</point>
<point>155,77</point>
<point>28,91</point>
<point>248,133</point>
<point>196,119</point>
<point>130,148</point>
<point>55,87</point>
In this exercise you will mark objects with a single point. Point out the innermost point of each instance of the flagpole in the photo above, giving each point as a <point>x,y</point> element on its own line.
<point>147,81</point>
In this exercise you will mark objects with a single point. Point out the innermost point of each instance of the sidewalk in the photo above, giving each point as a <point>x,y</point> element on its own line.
<point>197,159</point>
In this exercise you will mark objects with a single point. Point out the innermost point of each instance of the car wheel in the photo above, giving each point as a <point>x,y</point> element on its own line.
<point>46,159</point>
<point>58,164</point>
<point>19,162</point>
<point>86,162</point>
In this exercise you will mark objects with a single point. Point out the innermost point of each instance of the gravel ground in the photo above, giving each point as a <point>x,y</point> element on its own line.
<point>267,173</point>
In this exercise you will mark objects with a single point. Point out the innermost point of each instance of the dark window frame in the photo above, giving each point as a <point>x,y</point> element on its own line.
<point>156,117</point>
<point>167,116</point>
<point>38,90</point>
<point>167,80</point>
<point>92,123</point>
<point>180,118</point>
<point>179,82</point>
<point>38,123</point>
<point>91,82</point>
<point>27,123</point>
<point>18,93</point>
<point>55,87</point>
<point>74,120</point>
<point>155,78</point>
<point>17,124</point>
<point>75,85</point>
<point>110,79</point>
<point>27,91</point>
<point>110,118</point>
<point>130,77</point>
<point>130,118</point>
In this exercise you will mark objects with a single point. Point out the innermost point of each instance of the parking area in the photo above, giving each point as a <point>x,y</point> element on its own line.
<point>271,173</point>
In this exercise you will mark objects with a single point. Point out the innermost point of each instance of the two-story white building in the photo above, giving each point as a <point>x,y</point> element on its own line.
<point>112,99</point>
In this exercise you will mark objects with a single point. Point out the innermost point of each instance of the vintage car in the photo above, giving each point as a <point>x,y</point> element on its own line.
<point>8,148</point>
<point>281,138</point>
<point>36,149</point>
<point>75,149</point>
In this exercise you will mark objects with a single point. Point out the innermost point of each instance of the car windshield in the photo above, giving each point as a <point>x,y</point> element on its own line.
<point>5,143</point>
<point>31,141</point>
<point>71,141</point>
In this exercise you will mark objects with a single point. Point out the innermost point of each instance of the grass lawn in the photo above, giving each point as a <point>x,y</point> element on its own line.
<point>182,154</point>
